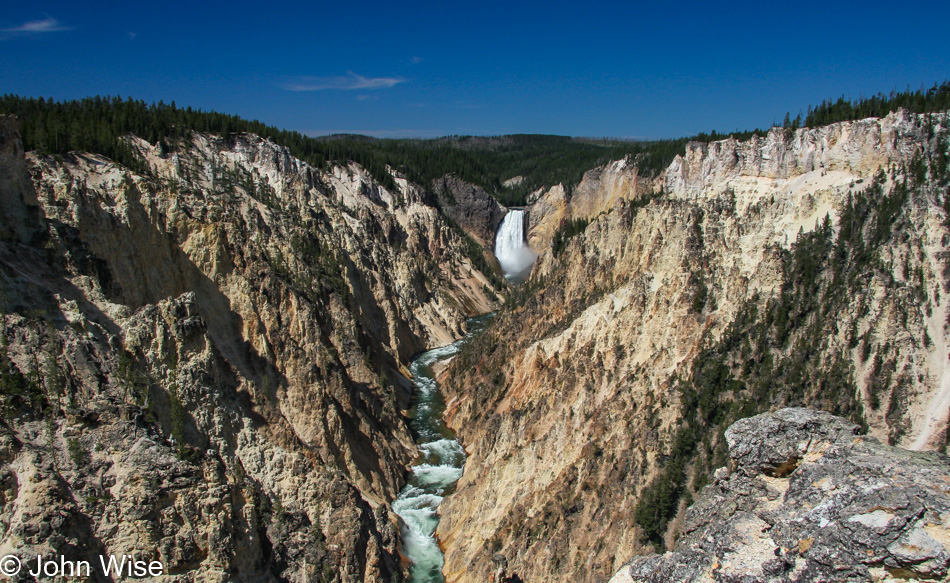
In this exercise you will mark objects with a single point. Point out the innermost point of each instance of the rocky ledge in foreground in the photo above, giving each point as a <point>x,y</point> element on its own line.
<point>810,500</point>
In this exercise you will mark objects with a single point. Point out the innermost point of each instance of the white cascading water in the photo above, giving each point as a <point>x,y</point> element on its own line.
<point>515,257</point>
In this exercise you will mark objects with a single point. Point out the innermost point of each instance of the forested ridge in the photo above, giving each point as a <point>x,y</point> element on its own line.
<point>94,125</point>
<point>937,98</point>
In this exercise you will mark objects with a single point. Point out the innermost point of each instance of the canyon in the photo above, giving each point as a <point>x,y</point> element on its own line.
<point>204,361</point>
<point>207,358</point>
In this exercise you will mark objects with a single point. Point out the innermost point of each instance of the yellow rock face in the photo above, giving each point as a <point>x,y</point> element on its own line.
<point>568,407</point>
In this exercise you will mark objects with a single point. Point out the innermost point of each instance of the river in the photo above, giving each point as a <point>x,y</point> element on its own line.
<point>438,468</point>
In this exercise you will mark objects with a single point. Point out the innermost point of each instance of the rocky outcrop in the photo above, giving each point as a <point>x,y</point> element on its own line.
<point>203,361</point>
<point>18,205</point>
<point>807,499</point>
<point>859,147</point>
<point>600,190</point>
<point>687,302</point>
<point>476,211</point>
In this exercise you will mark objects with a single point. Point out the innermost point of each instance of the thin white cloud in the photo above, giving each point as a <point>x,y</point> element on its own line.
<point>48,24</point>
<point>132,35</point>
<point>348,82</point>
<point>415,60</point>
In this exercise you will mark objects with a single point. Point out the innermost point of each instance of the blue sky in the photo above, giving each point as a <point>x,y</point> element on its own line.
<point>436,68</point>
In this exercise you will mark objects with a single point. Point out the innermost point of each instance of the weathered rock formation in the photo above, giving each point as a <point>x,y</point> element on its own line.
<point>202,359</point>
<point>601,190</point>
<point>470,206</point>
<point>18,204</point>
<point>808,500</point>
<point>804,268</point>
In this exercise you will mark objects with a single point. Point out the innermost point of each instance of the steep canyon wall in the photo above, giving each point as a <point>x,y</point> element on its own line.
<point>204,357</point>
<point>807,268</point>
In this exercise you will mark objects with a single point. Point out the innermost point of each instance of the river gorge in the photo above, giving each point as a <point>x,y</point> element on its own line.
<point>439,466</point>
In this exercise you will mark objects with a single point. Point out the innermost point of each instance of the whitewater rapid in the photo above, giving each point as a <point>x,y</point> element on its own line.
<point>438,468</point>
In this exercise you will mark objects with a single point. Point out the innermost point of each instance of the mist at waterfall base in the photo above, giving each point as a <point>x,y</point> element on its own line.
<point>438,468</point>
<point>515,257</point>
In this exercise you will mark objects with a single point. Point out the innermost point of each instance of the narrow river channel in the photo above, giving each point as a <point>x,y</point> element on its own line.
<point>439,466</point>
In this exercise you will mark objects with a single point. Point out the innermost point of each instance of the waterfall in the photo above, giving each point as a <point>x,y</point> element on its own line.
<point>515,257</point>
